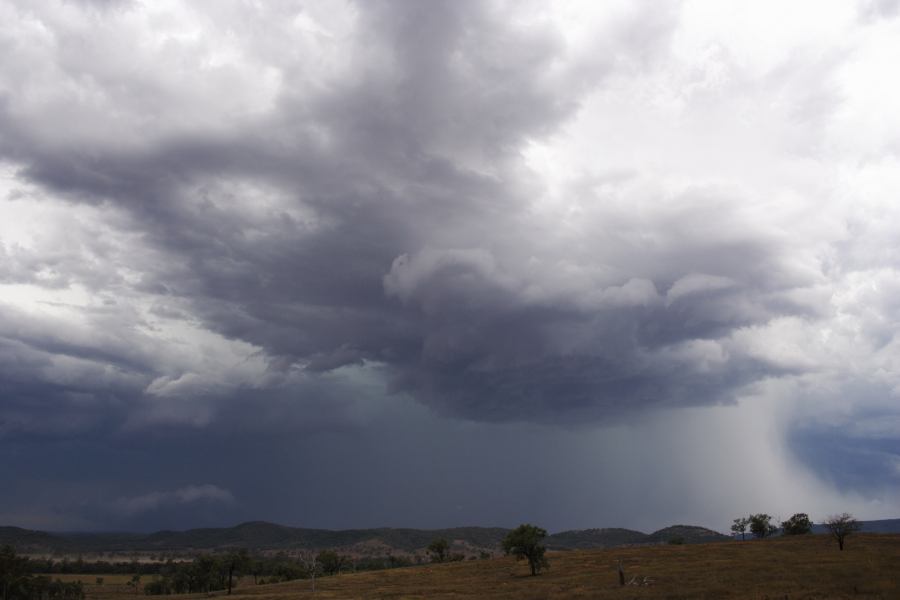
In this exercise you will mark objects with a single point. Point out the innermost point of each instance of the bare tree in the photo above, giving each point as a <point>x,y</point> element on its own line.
<point>841,526</point>
<point>312,568</point>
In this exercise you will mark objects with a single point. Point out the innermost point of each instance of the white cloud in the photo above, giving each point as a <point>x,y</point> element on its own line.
<point>190,494</point>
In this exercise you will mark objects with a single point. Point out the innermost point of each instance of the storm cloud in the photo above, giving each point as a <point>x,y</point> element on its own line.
<point>289,221</point>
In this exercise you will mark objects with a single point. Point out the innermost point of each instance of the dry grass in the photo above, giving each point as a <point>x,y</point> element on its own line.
<point>795,568</point>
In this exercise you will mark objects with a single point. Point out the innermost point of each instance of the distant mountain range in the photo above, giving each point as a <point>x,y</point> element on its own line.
<point>263,536</point>
<point>880,526</point>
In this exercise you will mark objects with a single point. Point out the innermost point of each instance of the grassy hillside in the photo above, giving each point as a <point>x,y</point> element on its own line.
<point>799,568</point>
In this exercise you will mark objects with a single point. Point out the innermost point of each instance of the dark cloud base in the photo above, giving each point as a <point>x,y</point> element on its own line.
<point>249,227</point>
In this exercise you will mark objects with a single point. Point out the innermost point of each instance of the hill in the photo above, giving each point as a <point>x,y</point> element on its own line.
<point>27,540</point>
<point>686,534</point>
<point>879,526</point>
<point>612,537</point>
<point>263,536</point>
<point>256,535</point>
<point>594,538</point>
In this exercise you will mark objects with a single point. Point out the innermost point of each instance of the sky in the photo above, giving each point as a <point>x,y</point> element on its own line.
<point>427,264</point>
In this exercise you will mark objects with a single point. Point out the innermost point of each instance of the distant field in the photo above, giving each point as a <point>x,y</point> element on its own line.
<point>114,585</point>
<point>796,568</point>
<point>113,580</point>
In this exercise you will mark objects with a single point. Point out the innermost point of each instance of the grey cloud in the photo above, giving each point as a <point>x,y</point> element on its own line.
<point>289,231</point>
<point>848,461</point>
<point>875,9</point>
<point>130,506</point>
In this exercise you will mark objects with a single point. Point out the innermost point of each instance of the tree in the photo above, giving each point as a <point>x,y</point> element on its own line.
<point>740,526</point>
<point>841,526</point>
<point>438,550</point>
<point>525,542</point>
<point>237,562</point>
<point>312,568</point>
<point>13,572</point>
<point>205,573</point>
<point>761,525</point>
<point>331,562</point>
<point>799,524</point>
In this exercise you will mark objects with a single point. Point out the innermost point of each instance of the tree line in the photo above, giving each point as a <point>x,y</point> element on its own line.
<point>23,578</point>
<point>207,573</point>
<point>17,582</point>
<point>50,566</point>
<point>761,526</point>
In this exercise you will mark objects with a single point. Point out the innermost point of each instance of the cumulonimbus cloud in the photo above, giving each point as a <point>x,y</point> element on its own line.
<point>454,199</point>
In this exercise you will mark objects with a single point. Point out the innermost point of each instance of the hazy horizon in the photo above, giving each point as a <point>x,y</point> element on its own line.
<point>357,264</point>
<point>724,531</point>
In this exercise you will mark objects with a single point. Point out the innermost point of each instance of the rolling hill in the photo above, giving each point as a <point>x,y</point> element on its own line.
<point>27,540</point>
<point>594,538</point>
<point>263,536</point>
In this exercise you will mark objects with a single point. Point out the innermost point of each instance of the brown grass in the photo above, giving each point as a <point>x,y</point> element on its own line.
<point>796,568</point>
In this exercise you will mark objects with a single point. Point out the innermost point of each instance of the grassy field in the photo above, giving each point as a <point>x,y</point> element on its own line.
<point>795,568</point>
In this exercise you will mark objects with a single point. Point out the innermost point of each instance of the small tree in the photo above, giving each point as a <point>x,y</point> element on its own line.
<point>761,525</point>
<point>438,550</point>
<point>525,542</point>
<point>740,526</point>
<point>135,582</point>
<point>331,562</point>
<point>841,526</point>
<point>799,524</point>
<point>312,568</point>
